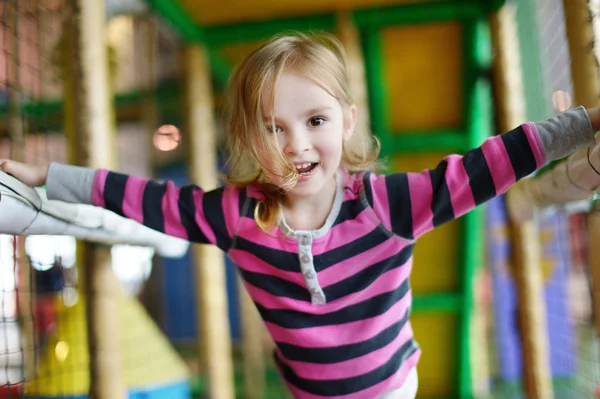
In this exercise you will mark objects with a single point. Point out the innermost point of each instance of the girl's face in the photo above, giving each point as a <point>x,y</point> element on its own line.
<point>310,126</point>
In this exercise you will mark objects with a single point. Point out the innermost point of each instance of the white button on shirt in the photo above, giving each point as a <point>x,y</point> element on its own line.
<point>305,245</point>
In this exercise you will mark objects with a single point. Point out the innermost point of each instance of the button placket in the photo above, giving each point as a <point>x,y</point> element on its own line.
<point>307,268</point>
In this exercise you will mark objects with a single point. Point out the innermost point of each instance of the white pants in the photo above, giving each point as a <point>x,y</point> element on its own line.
<point>408,390</point>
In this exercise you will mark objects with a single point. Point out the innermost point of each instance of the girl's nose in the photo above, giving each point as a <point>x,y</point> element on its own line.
<point>297,143</point>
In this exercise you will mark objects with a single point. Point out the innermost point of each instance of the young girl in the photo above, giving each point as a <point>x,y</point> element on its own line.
<point>324,244</point>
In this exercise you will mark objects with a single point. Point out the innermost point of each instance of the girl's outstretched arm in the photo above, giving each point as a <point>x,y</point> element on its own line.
<point>187,212</point>
<point>415,203</point>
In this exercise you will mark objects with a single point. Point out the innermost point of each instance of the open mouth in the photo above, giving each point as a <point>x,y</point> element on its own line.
<point>306,168</point>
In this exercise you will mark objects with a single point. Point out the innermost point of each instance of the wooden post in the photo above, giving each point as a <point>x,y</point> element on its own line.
<point>508,79</point>
<point>253,349</point>
<point>532,310</point>
<point>584,67</point>
<point>211,304</point>
<point>147,61</point>
<point>148,74</point>
<point>593,231</point>
<point>90,128</point>
<point>349,36</point>
<point>525,239</point>
<point>586,88</point>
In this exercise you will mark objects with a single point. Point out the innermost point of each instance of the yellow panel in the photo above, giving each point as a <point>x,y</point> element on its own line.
<point>423,65</point>
<point>435,266</point>
<point>438,368</point>
<point>207,12</point>
<point>436,261</point>
<point>148,358</point>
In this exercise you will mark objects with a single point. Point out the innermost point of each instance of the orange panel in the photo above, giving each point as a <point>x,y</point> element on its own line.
<point>207,12</point>
<point>423,77</point>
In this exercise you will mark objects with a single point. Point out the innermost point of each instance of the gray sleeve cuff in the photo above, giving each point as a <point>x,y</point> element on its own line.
<point>70,183</point>
<point>566,133</point>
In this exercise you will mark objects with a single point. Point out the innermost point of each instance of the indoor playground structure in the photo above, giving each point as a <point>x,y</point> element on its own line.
<point>94,305</point>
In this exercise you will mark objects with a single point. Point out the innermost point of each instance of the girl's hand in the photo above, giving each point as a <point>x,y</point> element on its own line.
<point>594,114</point>
<point>32,175</point>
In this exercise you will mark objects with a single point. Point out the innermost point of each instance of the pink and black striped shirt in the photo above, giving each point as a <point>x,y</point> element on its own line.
<point>336,300</point>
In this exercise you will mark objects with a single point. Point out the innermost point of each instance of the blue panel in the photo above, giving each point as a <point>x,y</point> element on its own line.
<point>561,334</point>
<point>178,284</point>
<point>178,390</point>
<point>506,329</point>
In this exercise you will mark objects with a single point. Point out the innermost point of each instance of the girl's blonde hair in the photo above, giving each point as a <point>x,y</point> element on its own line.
<point>254,154</point>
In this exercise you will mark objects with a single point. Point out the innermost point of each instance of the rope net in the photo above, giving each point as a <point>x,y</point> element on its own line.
<point>43,345</point>
<point>558,199</point>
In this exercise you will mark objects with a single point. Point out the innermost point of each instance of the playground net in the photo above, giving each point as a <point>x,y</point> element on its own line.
<point>573,352</point>
<point>43,344</point>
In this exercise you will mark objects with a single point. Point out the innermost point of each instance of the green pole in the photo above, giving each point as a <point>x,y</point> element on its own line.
<point>477,113</point>
<point>220,35</point>
<point>409,14</point>
<point>378,104</point>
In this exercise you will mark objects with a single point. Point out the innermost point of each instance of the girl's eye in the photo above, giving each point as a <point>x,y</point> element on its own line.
<point>273,129</point>
<point>316,121</point>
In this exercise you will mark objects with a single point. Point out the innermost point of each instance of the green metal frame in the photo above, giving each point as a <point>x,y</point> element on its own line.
<point>189,31</point>
<point>409,14</point>
<point>477,127</point>
<point>258,30</point>
<point>477,57</point>
<point>48,112</point>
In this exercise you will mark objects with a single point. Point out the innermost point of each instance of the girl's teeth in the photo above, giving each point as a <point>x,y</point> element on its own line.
<point>302,166</point>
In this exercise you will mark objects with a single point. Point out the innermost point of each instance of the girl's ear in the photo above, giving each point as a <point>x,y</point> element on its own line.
<point>350,122</point>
